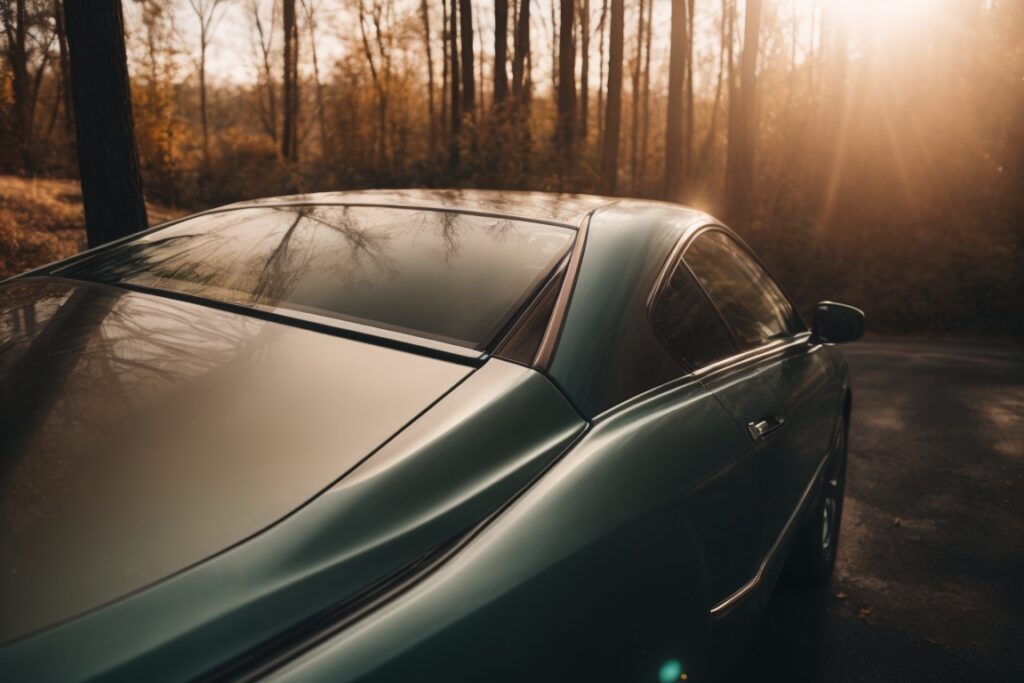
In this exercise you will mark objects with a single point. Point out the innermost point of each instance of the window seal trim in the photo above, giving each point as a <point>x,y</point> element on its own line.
<point>553,332</point>
<point>498,347</point>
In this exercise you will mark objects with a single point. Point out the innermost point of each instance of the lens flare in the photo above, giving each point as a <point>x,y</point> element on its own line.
<point>670,671</point>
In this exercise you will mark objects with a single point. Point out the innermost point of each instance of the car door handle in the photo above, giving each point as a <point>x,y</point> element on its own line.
<point>765,427</point>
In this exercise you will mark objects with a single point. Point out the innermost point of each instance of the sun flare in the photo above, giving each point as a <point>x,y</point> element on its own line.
<point>883,13</point>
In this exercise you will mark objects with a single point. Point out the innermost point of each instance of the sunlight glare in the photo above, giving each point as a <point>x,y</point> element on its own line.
<point>883,13</point>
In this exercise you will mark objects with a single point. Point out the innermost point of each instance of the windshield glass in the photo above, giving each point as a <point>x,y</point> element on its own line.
<point>448,276</point>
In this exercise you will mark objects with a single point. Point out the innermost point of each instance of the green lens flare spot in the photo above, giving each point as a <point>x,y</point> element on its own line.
<point>671,671</point>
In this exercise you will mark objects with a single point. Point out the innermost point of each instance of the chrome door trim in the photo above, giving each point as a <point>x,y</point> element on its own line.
<point>723,606</point>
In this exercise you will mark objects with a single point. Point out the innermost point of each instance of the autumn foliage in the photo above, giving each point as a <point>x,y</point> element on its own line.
<point>871,152</point>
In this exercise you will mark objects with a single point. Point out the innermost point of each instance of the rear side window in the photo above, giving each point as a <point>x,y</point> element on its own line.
<point>687,323</point>
<point>749,300</point>
<point>448,276</point>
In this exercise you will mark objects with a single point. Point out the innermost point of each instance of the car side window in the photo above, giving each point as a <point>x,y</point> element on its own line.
<point>687,323</point>
<point>749,300</point>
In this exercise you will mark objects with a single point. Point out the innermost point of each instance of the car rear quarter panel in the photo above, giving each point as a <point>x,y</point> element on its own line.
<point>465,458</point>
<point>596,573</point>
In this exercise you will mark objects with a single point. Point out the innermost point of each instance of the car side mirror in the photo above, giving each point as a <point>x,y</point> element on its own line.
<point>835,323</point>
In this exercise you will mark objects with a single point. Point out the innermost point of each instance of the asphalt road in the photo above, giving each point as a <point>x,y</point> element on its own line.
<point>929,581</point>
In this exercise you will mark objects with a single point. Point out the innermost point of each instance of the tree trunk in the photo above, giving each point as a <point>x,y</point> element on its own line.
<point>108,161</point>
<point>704,155</point>
<point>646,108</point>
<point>456,106</point>
<point>468,77</point>
<point>481,81</point>
<point>634,129</point>
<point>674,121</point>
<point>520,92</point>
<point>266,38</point>
<point>425,14</point>
<point>584,70</point>
<point>310,12</point>
<point>602,26</point>
<point>688,106</point>
<point>739,174</point>
<point>16,32</point>
<point>202,104</point>
<point>65,73</point>
<point>554,50</point>
<point>444,64</point>
<point>290,82</point>
<point>500,52</point>
<point>613,113</point>
<point>566,101</point>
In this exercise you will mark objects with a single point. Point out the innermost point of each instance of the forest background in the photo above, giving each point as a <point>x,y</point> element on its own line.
<point>871,151</point>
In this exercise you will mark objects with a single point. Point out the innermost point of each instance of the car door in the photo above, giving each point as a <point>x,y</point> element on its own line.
<point>793,432</point>
<point>725,510</point>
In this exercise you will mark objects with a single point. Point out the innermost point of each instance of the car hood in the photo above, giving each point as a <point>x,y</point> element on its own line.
<point>140,435</point>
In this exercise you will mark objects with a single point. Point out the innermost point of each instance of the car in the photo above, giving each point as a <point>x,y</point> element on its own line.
<point>412,435</point>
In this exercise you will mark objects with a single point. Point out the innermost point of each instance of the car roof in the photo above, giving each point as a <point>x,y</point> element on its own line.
<point>566,209</point>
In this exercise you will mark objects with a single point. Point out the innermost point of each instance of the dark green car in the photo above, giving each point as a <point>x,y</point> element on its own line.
<point>433,436</point>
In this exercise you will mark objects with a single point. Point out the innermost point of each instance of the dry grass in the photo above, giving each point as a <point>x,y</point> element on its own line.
<point>41,220</point>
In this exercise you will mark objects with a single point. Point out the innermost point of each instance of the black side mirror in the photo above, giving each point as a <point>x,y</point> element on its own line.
<point>836,323</point>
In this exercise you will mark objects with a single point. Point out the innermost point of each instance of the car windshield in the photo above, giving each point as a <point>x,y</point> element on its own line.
<point>448,276</point>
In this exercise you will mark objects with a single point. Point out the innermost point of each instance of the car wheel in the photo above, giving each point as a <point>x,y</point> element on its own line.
<point>814,550</point>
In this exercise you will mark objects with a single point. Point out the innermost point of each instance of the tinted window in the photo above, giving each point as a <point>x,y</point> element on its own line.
<point>751,303</point>
<point>687,323</point>
<point>448,276</point>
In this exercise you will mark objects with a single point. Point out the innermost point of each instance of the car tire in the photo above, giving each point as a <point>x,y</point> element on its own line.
<point>813,554</point>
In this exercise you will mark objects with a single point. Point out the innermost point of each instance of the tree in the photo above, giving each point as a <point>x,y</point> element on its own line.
<point>500,52</point>
<point>309,9</point>
<point>520,78</point>
<point>613,112</point>
<point>425,16</point>
<point>646,115</point>
<point>290,82</point>
<point>602,26</point>
<point>263,30</point>
<point>15,20</point>
<point>675,158</point>
<point>65,69</point>
<point>378,58</point>
<point>456,106</point>
<point>205,11</point>
<point>566,124</point>
<point>636,87</point>
<point>108,161</point>
<point>724,54</point>
<point>468,78</point>
<point>584,69</point>
<point>739,174</point>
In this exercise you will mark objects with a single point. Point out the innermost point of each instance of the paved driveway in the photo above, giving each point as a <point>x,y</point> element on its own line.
<point>929,583</point>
